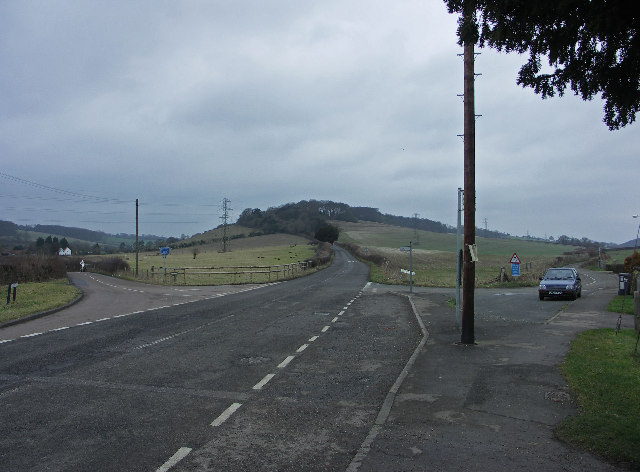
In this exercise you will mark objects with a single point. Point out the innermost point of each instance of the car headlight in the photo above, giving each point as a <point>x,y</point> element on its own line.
<point>542,287</point>
<point>569,287</point>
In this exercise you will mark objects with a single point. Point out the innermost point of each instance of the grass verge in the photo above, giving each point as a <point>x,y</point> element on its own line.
<point>35,297</point>
<point>603,371</point>
<point>621,304</point>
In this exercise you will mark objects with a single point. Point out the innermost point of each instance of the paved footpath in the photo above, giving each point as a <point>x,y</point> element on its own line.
<point>492,406</point>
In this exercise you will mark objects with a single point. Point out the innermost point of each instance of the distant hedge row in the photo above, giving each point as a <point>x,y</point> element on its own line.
<point>34,268</point>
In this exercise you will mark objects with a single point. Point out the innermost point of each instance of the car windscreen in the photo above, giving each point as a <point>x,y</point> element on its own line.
<point>559,274</point>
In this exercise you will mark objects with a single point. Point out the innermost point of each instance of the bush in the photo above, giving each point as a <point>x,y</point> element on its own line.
<point>24,269</point>
<point>323,255</point>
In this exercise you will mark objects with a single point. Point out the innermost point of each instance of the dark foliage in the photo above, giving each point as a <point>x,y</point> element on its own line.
<point>7,228</point>
<point>327,233</point>
<point>306,217</point>
<point>24,269</point>
<point>592,46</point>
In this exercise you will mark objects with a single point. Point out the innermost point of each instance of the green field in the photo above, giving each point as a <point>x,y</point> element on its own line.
<point>37,297</point>
<point>434,255</point>
<point>261,251</point>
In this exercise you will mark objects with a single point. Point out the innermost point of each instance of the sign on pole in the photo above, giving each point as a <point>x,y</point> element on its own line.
<point>165,252</point>
<point>515,265</point>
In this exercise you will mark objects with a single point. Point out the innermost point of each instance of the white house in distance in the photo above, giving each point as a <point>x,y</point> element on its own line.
<point>64,252</point>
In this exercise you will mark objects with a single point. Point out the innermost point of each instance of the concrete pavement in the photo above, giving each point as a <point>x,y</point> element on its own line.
<point>491,406</point>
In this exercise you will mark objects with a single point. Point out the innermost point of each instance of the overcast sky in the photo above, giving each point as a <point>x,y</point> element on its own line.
<point>183,103</point>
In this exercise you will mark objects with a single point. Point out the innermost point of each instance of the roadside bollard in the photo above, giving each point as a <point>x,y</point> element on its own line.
<point>13,286</point>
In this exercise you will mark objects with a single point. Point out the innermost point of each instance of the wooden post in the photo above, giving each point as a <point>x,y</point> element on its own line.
<point>468,266</point>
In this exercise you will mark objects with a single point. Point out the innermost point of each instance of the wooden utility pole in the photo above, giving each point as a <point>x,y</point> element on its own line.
<point>136,237</point>
<point>468,266</point>
<point>225,219</point>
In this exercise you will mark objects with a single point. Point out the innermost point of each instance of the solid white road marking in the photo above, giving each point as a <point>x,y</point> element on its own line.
<point>263,382</point>
<point>177,457</point>
<point>285,362</point>
<point>226,414</point>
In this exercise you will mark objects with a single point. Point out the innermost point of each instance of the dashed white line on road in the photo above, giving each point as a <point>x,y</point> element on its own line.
<point>302,348</point>
<point>263,382</point>
<point>177,457</point>
<point>341,313</point>
<point>285,362</point>
<point>334,320</point>
<point>312,338</point>
<point>325,329</point>
<point>226,414</point>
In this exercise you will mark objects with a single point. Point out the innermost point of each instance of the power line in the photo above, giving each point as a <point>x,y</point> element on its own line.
<point>59,190</point>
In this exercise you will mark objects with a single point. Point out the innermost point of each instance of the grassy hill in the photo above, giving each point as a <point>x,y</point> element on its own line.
<point>434,255</point>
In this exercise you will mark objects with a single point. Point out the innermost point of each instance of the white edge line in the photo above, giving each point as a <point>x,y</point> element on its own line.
<point>31,335</point>
<point>226,414</point>
<point>263,382</point>
<point>177,457</point>
<point>285,362</point>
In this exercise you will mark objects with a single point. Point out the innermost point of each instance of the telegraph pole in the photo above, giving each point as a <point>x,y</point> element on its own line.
<point>468,265</point>
<point>225,219</point>
<point>136,237</point>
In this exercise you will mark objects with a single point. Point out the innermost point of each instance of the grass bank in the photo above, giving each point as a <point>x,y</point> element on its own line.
<point>36,297</point>
<point>604,372</point>
<point>434,256</point>
<point>621,304</point>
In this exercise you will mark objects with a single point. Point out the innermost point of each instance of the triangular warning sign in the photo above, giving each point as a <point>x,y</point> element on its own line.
<point>515,259</point>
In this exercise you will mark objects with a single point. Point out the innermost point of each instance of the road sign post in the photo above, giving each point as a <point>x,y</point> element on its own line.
<point>165,252</point>
<point>515,265</point>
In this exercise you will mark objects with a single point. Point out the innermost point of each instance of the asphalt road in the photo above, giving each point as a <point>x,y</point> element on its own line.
<point>284,377</point>
<point>289,376</point>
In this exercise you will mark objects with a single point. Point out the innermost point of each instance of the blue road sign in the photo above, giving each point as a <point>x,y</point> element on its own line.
<point>515,270</point>
<point>165,251</point>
